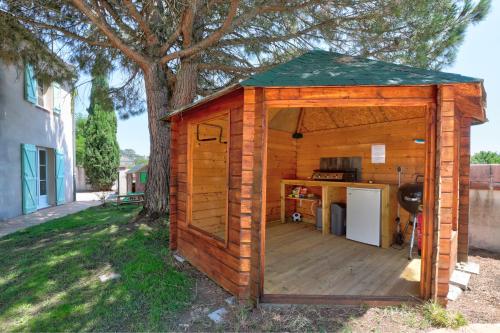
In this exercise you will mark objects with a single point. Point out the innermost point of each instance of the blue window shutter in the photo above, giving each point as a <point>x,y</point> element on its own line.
<point>28,175</point>
<point>60,198</point>
<point>30,84</point>
<point>56,89</point>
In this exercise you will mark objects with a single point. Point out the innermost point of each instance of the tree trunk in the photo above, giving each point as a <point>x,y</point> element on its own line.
<point>185,84</point>
<point>157,188</point>
<point>159,105</point>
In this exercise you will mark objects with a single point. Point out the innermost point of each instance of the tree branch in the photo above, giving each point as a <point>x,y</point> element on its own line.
<point>210,40</point>
<point>116,17</point>
<point>151,38</point>
<point>65,32</point>
<point>115,40</point>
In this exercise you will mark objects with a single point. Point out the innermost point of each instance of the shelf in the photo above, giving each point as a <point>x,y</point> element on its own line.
<point>306,199</point>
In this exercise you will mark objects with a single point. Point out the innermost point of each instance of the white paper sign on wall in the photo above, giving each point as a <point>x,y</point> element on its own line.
<point>378,153</point>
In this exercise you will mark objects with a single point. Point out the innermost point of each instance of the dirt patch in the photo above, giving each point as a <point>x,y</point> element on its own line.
<point>481,304</point>
<point>207,297</point>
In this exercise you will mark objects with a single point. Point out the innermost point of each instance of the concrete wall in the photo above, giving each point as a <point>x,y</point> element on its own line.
<point>122,182</point>
<point>485,176</point>
<point>119,186</point>
<point>23,122</point>
<point>484,219</point>
<point>80,180</point>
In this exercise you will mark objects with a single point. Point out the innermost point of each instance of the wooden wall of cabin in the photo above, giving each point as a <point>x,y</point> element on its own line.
<point>401,150</point>
<point>281,164</point>
<point>220,260</point>
<point>209,144</point>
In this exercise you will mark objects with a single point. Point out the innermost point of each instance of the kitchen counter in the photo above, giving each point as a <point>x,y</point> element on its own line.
<point>330,193</point>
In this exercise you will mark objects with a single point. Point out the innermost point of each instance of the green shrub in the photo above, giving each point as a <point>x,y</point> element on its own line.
<point>438,316</point>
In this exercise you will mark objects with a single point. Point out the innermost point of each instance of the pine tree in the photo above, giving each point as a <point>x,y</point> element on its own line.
<point>80,139</point>
<point>102,154</point>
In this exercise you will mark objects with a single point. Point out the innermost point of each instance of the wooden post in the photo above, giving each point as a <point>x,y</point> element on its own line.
<point>428,246</point>
<point>253,187</point>
<point>463,209</point>
<point>325,210</point>
<point>447,192</point>
<point>283,203</point>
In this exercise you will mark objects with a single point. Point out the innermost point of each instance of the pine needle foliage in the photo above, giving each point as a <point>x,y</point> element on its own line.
<point>102,154</point>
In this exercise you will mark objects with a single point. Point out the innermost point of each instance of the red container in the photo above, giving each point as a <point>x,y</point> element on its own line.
<point>420,220</point>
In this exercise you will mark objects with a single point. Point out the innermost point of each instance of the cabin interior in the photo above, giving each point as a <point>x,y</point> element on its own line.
<point>344,258</point>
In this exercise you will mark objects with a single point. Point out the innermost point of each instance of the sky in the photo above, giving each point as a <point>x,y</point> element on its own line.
<point>478,56</point>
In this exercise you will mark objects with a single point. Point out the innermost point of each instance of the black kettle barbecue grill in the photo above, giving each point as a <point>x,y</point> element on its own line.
<point>410,197</point>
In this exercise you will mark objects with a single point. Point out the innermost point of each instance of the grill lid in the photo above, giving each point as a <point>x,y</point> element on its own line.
<point>410,196</point>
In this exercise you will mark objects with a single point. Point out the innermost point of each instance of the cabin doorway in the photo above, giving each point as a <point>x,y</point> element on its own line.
<point>306,256</point>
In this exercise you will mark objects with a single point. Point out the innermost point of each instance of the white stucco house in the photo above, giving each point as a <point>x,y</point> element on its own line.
<point>37,142</point>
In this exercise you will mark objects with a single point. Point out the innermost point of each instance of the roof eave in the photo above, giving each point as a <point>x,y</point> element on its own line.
<point>202,101</point>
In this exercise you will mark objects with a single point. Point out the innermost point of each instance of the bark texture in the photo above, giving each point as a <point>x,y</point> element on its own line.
<point>159,104</point>
<point>185,85</point>
<point>156,192</point>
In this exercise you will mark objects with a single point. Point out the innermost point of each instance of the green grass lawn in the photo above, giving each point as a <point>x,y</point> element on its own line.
<point>49,275</point>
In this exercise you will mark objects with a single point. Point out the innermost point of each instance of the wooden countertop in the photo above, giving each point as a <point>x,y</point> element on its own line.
<point>328,189</point>
<point>309,182</point>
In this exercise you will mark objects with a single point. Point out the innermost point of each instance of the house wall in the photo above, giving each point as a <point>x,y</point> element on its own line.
<point>22,122</point>
<point>223,261</point>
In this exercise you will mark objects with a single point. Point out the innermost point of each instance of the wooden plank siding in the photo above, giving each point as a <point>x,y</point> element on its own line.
<point>463,210</point>
<point>221,261</point>
<point>447,191</point>
<point>173,183</point>
<point>282,164</point>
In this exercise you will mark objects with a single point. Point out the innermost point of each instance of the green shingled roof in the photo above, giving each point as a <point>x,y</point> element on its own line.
<point>322,68</point>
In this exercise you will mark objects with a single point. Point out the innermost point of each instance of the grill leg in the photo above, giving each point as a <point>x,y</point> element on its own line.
<point>412,241</point>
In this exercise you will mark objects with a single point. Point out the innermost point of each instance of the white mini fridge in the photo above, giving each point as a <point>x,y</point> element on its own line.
<point>363,215</point>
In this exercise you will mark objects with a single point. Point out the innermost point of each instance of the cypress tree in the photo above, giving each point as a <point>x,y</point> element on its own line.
<point>102,154</point>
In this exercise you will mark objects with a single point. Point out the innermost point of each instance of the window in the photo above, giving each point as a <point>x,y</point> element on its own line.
<point>47,96</point>
<point>41,94</point>
<point>208,174</point>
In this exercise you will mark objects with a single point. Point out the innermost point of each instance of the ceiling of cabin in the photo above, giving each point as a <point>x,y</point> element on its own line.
<point>317,119</point>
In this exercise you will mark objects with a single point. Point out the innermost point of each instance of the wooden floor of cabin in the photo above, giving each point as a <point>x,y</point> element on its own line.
<point>300,261</point>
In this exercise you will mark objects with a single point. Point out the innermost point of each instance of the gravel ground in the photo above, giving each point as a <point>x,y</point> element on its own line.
<point>481,304</point>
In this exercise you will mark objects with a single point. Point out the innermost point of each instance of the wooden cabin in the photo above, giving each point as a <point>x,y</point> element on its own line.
<point>245,160</point>
<point>136,178</point>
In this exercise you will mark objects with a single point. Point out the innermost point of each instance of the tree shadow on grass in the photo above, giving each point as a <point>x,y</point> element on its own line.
<point>50,275</point>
